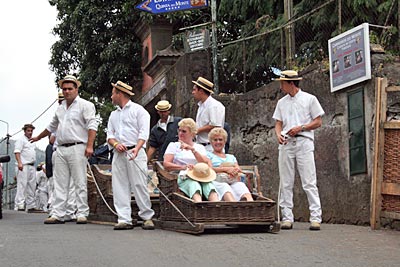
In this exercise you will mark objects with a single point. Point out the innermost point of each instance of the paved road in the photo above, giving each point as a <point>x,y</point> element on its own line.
<point>26,241</point>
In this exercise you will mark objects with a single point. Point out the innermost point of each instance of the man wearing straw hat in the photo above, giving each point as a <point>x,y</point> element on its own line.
<point>164,132</point>
<point>76,125</point>
<point>127,132</point>
<point>211,112</point>
<point>25,156</point>
<point>297,115</point>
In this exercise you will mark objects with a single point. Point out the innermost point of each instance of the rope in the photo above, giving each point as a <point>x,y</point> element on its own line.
<point>98,189</point>
<point>170,202</point>
<point>41,114</point>
<point>149,179</point>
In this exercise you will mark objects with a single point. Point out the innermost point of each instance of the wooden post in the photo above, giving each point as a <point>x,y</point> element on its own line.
<point>376,183</point>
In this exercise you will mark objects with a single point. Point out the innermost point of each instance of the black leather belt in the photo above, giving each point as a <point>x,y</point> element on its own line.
<point>71,144</point>
<point>204,144</point>
<point>299,135</point>
<point>30,164</point>
<point>130,147</point>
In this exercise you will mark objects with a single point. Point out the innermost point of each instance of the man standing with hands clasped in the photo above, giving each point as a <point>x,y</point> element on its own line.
<point>127,131</point>
<point>76,126</point>
<point>297,115</point>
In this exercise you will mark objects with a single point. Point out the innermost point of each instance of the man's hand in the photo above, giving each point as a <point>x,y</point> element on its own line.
<point>34,139</point>
<point>88,151</point>
<point>295,130</point>
<point>132,154</point>
<point>20,166</point>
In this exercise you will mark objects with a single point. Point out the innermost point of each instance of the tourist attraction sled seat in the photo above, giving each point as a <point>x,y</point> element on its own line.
<point>258,214</point>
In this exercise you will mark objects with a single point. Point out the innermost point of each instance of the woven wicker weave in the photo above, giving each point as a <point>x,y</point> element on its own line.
<point>391,165</point>
<point>262,210</point>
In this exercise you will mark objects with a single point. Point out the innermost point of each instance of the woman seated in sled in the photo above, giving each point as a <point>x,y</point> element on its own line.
<point>182,156</point>
<point>228,182</point>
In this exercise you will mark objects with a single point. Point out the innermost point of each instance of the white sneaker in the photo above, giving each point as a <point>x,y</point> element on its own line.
<point>286,225</point>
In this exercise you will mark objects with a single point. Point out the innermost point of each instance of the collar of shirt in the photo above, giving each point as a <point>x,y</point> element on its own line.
<point>128,104</point>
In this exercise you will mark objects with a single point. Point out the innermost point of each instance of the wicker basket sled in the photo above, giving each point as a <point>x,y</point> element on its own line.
<point>99,211</point>
<point>253,215</point>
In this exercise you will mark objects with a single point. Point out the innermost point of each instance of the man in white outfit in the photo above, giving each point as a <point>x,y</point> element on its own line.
<point>76,126</point>
<point>297,115</point>
<point>25,156</point>
<point>211,112</point>
<point>127,132</point>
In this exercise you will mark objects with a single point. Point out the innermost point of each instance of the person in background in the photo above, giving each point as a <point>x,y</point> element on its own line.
<point>182,156</point>
<point>76,125</point>
<point>228,184</point>
<point>297,115</point>
<point>211,112</point>
<point>41,187</point>
<point>164,132</point>
<point>127,132</point>
<point>26,174</point>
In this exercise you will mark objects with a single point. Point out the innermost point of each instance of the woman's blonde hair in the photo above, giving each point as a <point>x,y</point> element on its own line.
<point>188,122</point>
<point>217,131</point>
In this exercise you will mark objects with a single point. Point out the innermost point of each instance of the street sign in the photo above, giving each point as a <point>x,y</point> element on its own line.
<point>164,6</point>
<point>196,40</point>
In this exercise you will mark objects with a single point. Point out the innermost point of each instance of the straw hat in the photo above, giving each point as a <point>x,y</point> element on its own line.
<point>289,75</point>
<point>60,95</point>
<point>205,84</point>
<point>201,172</point>
<point>28,125</point>
<point>69,78</point>
<point>163,105</point>
<point>123,87</point>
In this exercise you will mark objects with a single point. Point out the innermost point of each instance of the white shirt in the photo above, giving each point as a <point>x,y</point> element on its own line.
<point>184,156</point>
<point>129,124</point>
<point>210,112</point>
<point>72,124</point>
<point>26,150</point>
<point>298,110</point>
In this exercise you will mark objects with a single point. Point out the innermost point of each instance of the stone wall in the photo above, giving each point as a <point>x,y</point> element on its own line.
<point>345,198</point>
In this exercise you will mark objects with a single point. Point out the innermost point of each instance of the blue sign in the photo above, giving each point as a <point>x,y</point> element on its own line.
<point>164,6</point>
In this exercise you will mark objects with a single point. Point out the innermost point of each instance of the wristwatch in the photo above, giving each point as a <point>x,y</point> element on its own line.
<point>303,128</point>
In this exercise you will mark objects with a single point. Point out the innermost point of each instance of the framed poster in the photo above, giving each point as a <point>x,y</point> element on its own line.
<point>349,58</point>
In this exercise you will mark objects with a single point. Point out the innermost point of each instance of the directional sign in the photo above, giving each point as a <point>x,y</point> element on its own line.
<point>164,6</point>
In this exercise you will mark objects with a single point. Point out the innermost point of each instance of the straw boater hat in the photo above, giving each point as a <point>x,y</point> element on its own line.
<point>123,87</point>
<point>69,78</point>
<point>28,125</point>
<point>163,105</point>
<point>205,84</point>
<point>289,75</point>
<point>60,96</point>
<point>201,172</point>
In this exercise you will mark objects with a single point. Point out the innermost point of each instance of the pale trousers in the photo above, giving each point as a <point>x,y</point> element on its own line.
<point>26,187</point>
<point>70,168</point>
<point>127,177</point>
<point>41,199</point>
<point>298,151</point>
<point>237,189</point>
<point>71,203</point>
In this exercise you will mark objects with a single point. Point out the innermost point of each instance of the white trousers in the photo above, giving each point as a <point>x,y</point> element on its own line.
<point>237,189</point>
<point>70,174</point>
<point>298,151</point>
<point>71,203</point>
<point>26,187</point>
<point>127,177</point>
<point>41,199</point>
